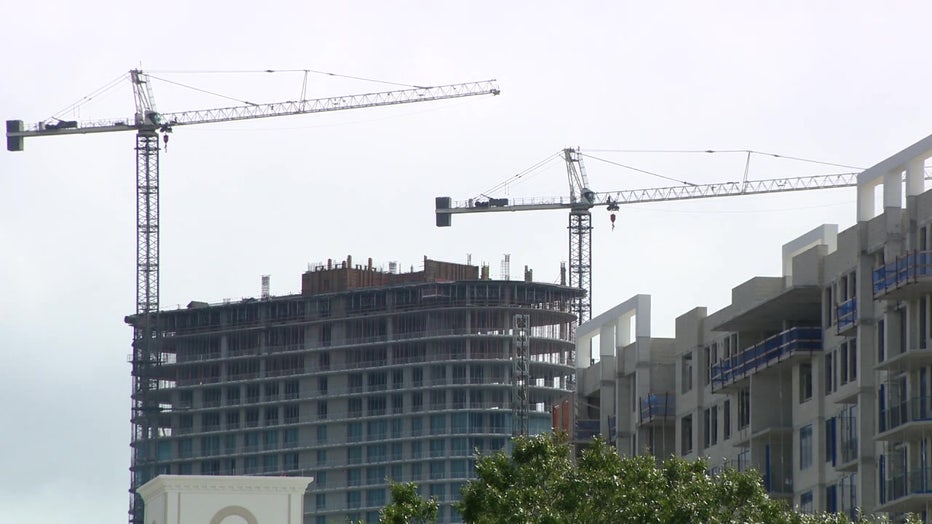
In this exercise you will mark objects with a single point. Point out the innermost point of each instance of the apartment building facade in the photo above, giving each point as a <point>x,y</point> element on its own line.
<point>363,377</point>
<point>820,379</point>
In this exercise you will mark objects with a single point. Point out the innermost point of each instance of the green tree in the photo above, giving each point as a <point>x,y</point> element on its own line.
<point>541,484</point>
<point>407,507</point>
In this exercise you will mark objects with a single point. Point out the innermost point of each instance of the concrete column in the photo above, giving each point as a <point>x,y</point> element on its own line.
<point>866,201</point>
<point>893,190</point>
<point>915,177</point>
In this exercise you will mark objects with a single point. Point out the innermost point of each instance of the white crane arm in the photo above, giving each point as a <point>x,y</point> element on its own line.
<point>16,131</point>
<point>446,206</point>
<point>336,103</point>
<point>750,187</point>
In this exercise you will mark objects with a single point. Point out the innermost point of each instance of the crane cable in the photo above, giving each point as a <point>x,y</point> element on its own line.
<point>92,95</point>
<point>520,175</point>
<point>713,151</point>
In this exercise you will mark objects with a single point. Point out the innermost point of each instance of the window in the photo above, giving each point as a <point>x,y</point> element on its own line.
<point>829,372</point>
<point>438,469</point>
<point>805,383</point>
<point>376,405</point>
<point>805,447</point>
<point>322,385</point>
<point>271,416</point>
<point>292,413</point>
<point>353,499</point>
<point>321,457</point>
<point>726,419</point>
<point>321,434</point>
<point>354,477</point>
<point>459,423</point>
<point>744,408</point>
<point>398,379</point>
<point>354,407</point>
<point>233,396</point>
<point>397,424</point>
<point>416,473</point>
<point>438,399</point>
<point>270,440</point>
<point>378,381</point>
<point>321,479</point>
<point>707,376</point>
<point>251,441</point>
<point>881,341</point>
<point>417,401</point>
<point>831,499</point>
<point>375,497</point>
<point>320,501</point>
<point>290,438</point>
<point>848,362</point>
<point>184,448</point>
<point>686,442</point>
<point>417,426</point>
<point>376,453</point>
<point>290,461</point>
<point>437,447</point>
<point>321,410</point>
<point>270,463</point>
<point>706,428</point>
<point>292,390</point>
<point>354,431</point>
<point>438,424</point>
<point>397,404</point>
<point>375,475</point>
<point>271,391</point>
<point>416,447</point>
<point>852,359</point>
<point>686,366</point>
<point>830,440</point>
<point>714,425</point>
<point>805,502</point>
<point>355,383</point>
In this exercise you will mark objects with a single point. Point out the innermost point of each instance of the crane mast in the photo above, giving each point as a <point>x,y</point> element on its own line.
<point>579,203</point>
<point>148,124</point>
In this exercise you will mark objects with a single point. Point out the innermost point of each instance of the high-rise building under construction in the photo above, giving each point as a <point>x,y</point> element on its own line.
<point>365,376</point>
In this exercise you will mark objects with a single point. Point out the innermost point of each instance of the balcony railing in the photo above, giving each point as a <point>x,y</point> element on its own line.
<point>586,430</point>
<point>916,482</point>
<point>847,314</point>
<point>763,354</point>
<point>916,409</point>
<point>901,271</point>
<point>655,407</point>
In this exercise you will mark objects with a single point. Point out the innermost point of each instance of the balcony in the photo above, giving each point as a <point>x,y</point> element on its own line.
<point>910,491</point>
<point>760,356</point>
<point>847,315</point>
<point>657,408</point>
<point>907,419</point>
<point>906,277</point>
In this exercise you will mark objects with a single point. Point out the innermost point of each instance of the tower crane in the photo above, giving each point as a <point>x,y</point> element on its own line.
<point>582,199</point>
<point>148,123</point>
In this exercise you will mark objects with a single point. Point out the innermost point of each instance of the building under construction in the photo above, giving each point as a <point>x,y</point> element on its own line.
<point>365,376</point>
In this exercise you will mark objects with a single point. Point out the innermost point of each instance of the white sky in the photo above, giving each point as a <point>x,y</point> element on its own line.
<point>838,81</point>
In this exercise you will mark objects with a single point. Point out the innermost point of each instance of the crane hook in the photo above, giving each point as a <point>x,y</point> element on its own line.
<point>612,207</point>
<point>165,141</point>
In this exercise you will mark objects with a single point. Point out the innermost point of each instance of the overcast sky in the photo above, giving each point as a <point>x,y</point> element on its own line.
<point>836,81</point>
